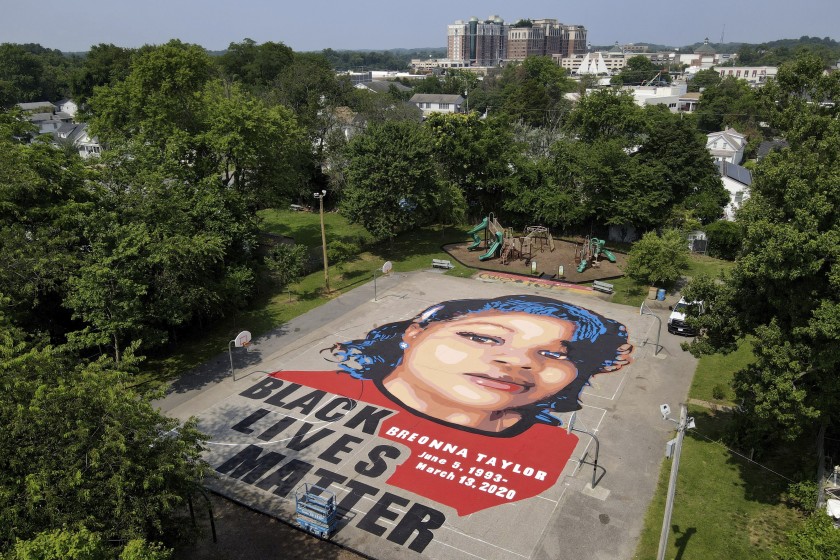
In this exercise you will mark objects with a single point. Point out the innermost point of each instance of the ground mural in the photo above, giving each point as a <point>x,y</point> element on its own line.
<point>451,413</point>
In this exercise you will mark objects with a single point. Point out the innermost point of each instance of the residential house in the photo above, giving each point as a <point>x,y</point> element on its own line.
<point>437,103</point>
<point>78,136</point>
<point>67,106</point>
<point>37,107</point>
<point>727,145</point>
<point>737,180</point>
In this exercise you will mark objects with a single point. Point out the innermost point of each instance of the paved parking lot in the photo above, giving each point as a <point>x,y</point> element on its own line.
<point>458,493</point>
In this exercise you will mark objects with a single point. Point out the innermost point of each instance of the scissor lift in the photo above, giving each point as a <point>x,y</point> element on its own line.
<point>315,508</point>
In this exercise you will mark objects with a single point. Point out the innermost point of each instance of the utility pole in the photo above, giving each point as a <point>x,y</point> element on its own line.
<point>672,483</point>
<point>320,196</point>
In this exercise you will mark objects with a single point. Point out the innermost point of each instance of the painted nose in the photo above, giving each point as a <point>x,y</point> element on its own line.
<point>514,358</point>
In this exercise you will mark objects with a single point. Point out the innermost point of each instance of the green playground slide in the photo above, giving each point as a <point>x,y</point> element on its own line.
<point>610,256</point>
<point>500,237</point>
<point>474,233</point>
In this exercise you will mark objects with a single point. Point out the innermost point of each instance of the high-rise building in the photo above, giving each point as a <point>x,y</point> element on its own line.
<point>480,43</point>
<point>490,42</point>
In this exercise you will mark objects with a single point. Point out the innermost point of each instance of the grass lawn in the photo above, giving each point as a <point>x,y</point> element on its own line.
<point>718,370</point>
<point>702,264</point>
<point>726,507</point>
<point>412,251</point>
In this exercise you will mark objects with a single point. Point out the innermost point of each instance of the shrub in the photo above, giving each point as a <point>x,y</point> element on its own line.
<point>725,239</point>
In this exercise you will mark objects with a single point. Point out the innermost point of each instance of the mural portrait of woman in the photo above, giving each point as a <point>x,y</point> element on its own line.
<point>476,386</point>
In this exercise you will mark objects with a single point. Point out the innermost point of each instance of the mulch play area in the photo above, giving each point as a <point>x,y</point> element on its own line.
<point>565,253</point>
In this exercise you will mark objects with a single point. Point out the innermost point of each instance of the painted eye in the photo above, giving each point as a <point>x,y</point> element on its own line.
<point>554,355</point>
<point>480,338</point>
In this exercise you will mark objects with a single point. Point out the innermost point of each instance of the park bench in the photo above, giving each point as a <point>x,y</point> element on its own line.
<point>440,263</point>
<point>602,286</point>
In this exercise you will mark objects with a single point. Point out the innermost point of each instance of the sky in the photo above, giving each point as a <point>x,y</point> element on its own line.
<point>313,25</point>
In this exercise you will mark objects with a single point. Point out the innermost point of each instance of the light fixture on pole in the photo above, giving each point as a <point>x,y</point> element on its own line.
<point>672,449</point>
<point>320,196</point>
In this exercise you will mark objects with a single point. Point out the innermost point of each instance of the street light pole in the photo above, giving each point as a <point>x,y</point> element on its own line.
<point>320,196</point>
<point>672,482</point>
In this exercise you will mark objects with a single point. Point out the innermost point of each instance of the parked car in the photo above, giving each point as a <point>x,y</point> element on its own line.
<point>676,321</point>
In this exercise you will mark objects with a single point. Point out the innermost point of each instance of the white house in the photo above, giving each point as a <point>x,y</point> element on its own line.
<point>67,106</point>
<point>727,145</point>
<point>78,135</point>
<point>437,103</point>
<point>737,180</point>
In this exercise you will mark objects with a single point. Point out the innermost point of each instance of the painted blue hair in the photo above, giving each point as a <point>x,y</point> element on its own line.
<point>594,346</point>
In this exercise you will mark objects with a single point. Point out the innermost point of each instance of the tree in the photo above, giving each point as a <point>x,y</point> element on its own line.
<point>639,70</point>
<point>816,540</point>
<point>704,79</point>
<point>44,202</point>
<point>255,65</point>
<point>730,103</point>
<point>80,449</point>
<point>104,64</point>
<point>392,181</point>
<point>784,288</point>
<point>658,260</point>
<point>683,166</point>
<point>725,239</point>
<point>287,263</point>
<point>533,91</point>
<point>476,155</point>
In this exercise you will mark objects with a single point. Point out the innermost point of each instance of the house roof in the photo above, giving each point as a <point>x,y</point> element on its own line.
<point>735,172</point>
<point>770,146</point>
<point>705,48</point>
<point>436,98</point>
<point>383,86</point>
<point>691,96</point>
<point>35,105</point>
<point>730,136</point>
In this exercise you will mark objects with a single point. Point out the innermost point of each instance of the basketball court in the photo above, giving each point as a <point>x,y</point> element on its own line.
<point>409,486</point>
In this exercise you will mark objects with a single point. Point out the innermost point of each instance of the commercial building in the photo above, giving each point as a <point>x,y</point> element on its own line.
<point>492,42</point>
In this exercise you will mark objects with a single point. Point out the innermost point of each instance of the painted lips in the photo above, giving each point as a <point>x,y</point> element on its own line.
<point>499,384</point>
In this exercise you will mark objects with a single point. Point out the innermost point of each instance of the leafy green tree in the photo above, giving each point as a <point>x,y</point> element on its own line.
<point>725,239</point>
<point>255,65</point>
<point>658,259</point>
<point>61,544</point>
<point>341,252</point>
<point>816,540</point>
<point>20,75</point>
<point>160,99</point>
<point>79,448</point>
<point>44,202</point>
<point>639,70</point>
<point>533,91</point>
<point>392,181</point>
<point>476,155</point>
<point>287,263</point>
<point>730,103</point>
<point>704,79</point>
<point>103,65</point>
<point>607,115</point>
<point>783,289</point>
<point>677,152</point>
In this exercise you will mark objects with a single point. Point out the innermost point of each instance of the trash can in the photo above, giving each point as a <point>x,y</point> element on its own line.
<point>660,294</point>
<point>652,292</point>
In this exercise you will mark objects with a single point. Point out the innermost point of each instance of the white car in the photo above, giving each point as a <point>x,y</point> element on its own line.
<point>676,321</point>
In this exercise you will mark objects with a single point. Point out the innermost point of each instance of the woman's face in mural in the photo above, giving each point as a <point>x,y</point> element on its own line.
<point>473,370</point>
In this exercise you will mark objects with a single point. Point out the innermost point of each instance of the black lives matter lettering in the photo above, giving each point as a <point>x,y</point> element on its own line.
<point>280,472</point>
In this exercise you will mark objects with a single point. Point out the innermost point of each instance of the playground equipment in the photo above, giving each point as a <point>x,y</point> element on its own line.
<point>315,510</point>
<point>506,244</point>
<point>496,237</point>
<point>590,251</point>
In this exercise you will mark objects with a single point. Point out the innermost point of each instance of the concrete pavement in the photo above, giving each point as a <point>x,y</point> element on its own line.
<point>568,520</point>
